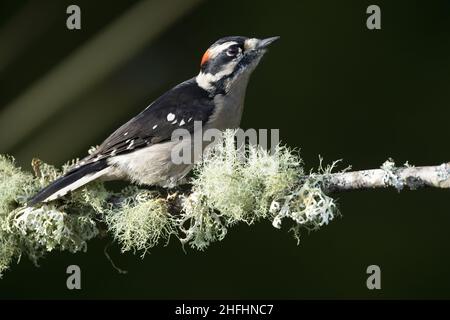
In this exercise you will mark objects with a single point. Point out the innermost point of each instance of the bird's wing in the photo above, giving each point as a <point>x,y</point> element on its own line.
<point>177,108</point>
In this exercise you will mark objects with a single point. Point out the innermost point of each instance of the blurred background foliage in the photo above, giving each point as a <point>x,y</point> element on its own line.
<point>331,86</point>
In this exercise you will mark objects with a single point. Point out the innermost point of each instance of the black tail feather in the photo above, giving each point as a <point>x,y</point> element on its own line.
<point>67,180</point>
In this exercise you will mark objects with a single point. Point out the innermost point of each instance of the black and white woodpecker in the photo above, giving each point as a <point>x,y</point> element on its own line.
<point>141,149</point>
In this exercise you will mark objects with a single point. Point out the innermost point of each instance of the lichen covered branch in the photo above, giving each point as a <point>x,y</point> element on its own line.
<point>389,175</point>
<point>226,188</point>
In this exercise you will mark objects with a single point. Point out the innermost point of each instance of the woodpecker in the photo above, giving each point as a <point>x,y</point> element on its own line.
<point>140,150</point>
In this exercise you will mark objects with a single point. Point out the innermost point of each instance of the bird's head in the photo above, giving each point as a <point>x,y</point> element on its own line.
<point>230,59</point>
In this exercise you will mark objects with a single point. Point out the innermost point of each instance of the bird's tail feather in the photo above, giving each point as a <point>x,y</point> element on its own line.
<point>71,181</point>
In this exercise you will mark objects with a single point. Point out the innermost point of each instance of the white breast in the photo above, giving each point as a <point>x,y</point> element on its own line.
<point>229,107</point>
<point>151,165</point>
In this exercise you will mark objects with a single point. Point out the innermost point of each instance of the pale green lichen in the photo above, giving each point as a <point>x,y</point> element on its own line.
<point>15,185</point>
<point>35,231</point>
<point>391,178</point>
<point>45,229</point>
<point>8,251</point>
<point>227,188</point>
<point>140,221</point>
<point>200,225</point>
<point>241,188</point>
<point>307,205</point>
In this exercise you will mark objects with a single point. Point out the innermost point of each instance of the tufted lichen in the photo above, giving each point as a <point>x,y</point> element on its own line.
<point>141,220</point>
<point>227,188</point>
<point>36,231</point>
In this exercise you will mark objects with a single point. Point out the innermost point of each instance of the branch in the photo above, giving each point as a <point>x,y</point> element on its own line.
<point>390,176</point>
<point>225,189</point>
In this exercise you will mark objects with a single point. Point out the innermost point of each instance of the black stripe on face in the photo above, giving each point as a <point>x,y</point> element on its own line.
<point>221,59</point>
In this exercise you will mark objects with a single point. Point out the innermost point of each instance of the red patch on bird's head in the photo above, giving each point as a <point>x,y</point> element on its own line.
<point>205,58</point>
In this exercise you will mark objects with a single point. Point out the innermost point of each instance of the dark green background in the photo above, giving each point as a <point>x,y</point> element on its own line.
<point>330,85</point>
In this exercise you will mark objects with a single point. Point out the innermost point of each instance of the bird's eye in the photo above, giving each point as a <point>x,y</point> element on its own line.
<point>233,51</point>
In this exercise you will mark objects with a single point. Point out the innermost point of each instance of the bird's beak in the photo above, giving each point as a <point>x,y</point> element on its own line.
<point>264,43</point>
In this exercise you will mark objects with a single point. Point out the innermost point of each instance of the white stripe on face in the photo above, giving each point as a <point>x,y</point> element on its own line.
<point>214,51</point>
<point>206,80</point>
